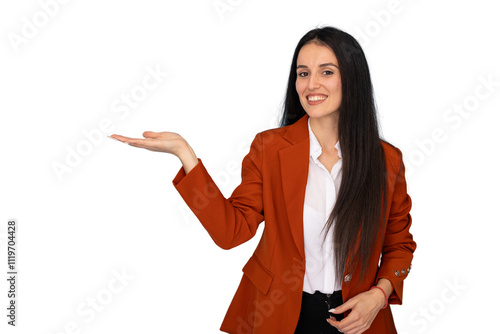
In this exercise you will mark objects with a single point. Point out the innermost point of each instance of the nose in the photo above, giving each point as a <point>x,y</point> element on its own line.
<point>313,82</point>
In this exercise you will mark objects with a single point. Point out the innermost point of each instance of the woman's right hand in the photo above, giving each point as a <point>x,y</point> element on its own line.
<point>168,142</point>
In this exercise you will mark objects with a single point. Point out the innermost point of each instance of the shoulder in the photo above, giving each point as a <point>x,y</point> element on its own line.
<point>267,142</point>
<point>391,151</point>
<point>273,137</point>
<point>393,155</point>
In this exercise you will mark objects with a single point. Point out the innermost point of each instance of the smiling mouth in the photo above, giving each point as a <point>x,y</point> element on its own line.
<point>316,98</point>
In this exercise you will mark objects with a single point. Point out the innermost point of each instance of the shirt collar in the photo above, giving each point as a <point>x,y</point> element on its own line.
<point>314,146</point>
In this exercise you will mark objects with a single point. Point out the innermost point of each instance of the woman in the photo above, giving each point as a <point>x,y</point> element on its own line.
<point>336,245</point>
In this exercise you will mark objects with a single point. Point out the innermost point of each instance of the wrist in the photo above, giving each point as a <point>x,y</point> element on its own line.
<point>181,148</point>
<point>382,293</point>
<point>187,156</point>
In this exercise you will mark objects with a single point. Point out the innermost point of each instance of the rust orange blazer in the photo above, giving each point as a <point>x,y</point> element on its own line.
<point>274,176</point>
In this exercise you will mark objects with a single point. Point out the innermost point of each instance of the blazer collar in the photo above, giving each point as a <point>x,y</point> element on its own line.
<point>298,131</point>
<point>294,168</point>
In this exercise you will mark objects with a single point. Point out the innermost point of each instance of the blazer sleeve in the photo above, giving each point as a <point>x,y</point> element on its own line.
<point>232,221</point>
<point>398,247</point>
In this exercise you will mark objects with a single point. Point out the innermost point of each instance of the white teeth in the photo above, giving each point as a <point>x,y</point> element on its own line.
<point>316,98</point>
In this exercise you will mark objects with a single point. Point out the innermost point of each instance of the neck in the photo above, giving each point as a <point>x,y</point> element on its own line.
<point>326,130</point>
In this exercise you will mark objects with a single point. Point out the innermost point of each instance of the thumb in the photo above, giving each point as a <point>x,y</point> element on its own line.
<point>150,134</point>
<point>342,308</point>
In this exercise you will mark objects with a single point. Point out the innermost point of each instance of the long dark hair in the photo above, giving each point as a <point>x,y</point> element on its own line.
<point>361,200</point>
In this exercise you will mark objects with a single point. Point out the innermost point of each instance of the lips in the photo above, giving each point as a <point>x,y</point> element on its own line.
<point>316,98</point>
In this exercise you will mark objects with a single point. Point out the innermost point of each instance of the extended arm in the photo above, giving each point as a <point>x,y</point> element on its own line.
<point>229,222</point>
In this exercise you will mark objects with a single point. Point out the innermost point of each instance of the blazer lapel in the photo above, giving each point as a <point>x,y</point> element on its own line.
<point>294,166</point>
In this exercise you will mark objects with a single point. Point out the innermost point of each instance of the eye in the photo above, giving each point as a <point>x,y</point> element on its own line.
<point>328,72</point>
<point>302,74</point>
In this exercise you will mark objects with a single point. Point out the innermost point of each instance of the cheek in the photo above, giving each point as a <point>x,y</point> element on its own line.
<point>338,86</point>
<point>299,87</point>
<point>335,87</point>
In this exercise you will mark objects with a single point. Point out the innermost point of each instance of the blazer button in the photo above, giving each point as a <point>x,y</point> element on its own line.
<point>347,278</point>
<point>396,273</point>
<point>403,271</point>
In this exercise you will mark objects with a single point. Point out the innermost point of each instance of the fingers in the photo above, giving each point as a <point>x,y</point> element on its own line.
<point>363,309</point>
<point>334,322</point>
<point>147,143</point>
<point>351,323</point>
<point>136,142</point>
<point>338,310</point>
<point>349,326</point>
<point>345,325</point>
<point>146,134</point>
<point>123,139</point>
<point>343,308</point>
<point>351,329</point>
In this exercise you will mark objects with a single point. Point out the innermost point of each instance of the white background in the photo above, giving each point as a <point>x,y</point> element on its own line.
<point>117,209</point>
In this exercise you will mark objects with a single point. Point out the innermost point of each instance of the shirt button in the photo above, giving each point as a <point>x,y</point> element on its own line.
<point>347,278</point>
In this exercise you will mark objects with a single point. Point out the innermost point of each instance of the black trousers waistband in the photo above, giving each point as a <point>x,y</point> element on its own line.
<point>314,312</point>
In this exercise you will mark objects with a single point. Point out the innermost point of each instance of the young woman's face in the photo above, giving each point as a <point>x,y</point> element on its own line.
<point>318,81</point>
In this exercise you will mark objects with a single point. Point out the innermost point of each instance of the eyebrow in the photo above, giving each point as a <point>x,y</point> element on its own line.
<point>322,65</point>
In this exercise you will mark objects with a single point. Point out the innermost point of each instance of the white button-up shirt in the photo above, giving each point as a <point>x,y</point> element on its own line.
<point>321,193</point>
